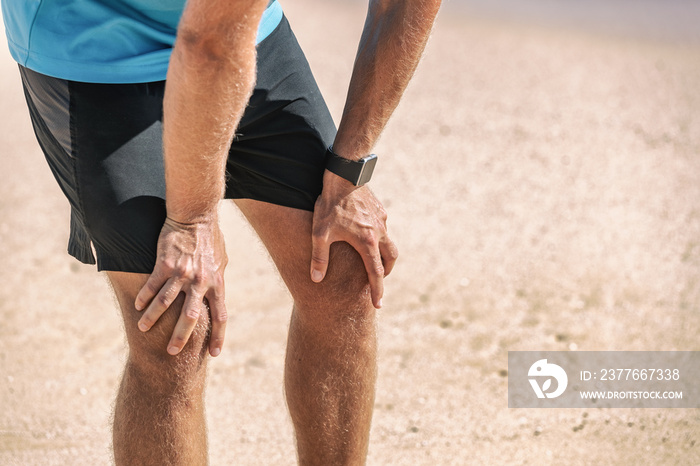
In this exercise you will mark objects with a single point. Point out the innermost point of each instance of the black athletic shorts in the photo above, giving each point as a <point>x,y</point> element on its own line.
<point>103,143</point>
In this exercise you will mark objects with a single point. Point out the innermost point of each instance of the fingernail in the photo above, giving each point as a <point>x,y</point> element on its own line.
<point>173,350</point>
<point>215,352</point>
<point>316,276</point>
<point>379,303</point>
<point>143,327</point>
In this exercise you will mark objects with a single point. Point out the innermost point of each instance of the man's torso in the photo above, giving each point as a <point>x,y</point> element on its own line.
<point>125,41</point>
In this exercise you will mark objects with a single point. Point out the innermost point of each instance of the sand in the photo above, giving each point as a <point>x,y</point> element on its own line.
<point>543,186</point>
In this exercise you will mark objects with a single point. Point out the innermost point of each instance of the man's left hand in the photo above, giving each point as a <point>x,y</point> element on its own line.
<point>345,212</point>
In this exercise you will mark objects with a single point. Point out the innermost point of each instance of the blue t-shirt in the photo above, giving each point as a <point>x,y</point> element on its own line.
<point>101,41</point>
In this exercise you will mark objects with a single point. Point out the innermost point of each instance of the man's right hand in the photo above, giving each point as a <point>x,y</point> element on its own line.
<point>191,260</point>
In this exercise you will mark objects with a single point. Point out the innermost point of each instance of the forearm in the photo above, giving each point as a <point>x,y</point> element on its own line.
<point>391,46</point>
<point>210,78</point>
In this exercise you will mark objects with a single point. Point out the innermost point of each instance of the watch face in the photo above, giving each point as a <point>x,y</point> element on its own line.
<point>368,164</point>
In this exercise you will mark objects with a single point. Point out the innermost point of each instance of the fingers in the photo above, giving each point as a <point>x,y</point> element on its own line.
<point>360,220</point>
<point>160,302</point>
<point>189,316</point>
<point>191,311</point>
<point>379,258</point>
<point>390,253</point>
<point>148,291</point>
<point>219,317</point>
<point>375,274</point>
<point>320,251</point>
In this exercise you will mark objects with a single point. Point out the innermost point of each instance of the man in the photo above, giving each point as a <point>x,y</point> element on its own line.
<point>144,195</point>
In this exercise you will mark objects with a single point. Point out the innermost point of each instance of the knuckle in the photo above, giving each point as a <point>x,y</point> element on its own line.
<point>378,270</point>
<point>199,280</point>
<point>152,287</point>
<point>179,269</point>
<point>368,237</point>
<point>318,232</point>
<point>185,270</point>
<point>217,341</point>
<point>192,315</point>
<point>393,253</point>
<point>178,340</point>
<point>319,260</point>
<point>167,265</point>
<point>163,300</point>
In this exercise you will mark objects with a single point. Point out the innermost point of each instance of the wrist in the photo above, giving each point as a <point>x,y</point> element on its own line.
<point>185,219</point>
<point>357,172</point>
<point>336,185</point>
<point>350,144</point>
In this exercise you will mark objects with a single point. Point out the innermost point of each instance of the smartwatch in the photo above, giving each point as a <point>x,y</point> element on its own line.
<point>358,172</point>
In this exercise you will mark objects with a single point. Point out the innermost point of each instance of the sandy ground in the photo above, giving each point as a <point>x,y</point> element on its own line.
<point>543,186</point>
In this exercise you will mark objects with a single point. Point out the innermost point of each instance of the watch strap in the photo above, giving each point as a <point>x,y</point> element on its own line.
<point>358,172</point>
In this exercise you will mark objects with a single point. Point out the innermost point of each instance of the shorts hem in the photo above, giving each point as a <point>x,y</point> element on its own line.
<point>271,195</point>
<point>127,265</point>
<point>130,264</point>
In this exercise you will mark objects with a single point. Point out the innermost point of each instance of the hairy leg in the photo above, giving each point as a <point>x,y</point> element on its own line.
<point>331,351</point>
<point>159,411</point>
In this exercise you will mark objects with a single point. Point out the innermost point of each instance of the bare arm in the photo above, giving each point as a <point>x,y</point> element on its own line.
<point>210,78</point>
<point>391,45</point>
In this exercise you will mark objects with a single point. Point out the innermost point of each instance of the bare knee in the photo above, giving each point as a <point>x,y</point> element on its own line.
<point>148,355</point>
<point>342,299</point>
<point>148,359</point>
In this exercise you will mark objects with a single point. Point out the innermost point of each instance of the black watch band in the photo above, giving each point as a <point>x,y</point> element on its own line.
<point>358,172</point>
